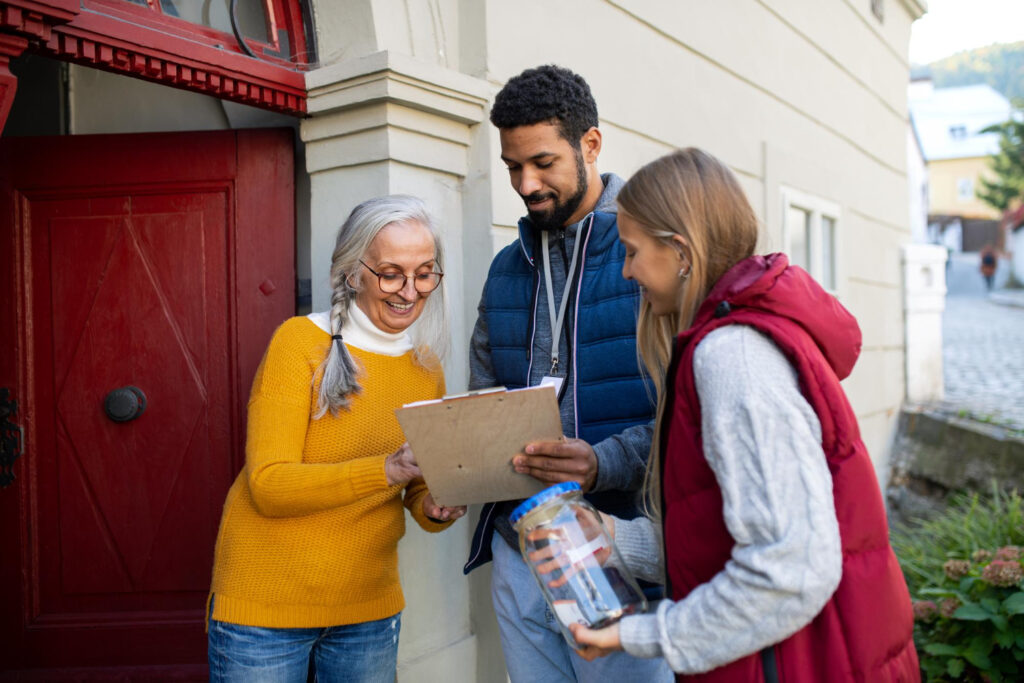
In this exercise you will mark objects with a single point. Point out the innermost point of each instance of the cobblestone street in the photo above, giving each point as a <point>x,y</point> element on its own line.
<point>983,347</point>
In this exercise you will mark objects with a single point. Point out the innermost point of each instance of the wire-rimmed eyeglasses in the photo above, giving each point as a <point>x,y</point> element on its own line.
<point>392,283</point>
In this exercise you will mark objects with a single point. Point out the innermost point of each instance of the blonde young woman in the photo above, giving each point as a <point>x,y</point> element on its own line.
<point>305,576</point>
<point>774,541</point>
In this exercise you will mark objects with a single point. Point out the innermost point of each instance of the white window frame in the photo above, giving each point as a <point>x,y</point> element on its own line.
<point>816,207</point>
<point>965,184</point>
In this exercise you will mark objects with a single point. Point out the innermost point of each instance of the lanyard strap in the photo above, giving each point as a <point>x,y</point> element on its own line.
<point>557,320</point>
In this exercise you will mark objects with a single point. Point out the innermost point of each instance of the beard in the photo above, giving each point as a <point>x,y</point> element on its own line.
<point>558,215</point>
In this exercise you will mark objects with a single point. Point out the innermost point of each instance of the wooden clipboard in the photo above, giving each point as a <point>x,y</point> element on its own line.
<point>465,444</point>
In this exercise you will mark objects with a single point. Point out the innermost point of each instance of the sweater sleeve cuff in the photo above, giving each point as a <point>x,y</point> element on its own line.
<point>639,546</point>
<point>366,475</point>
<point>605,452</point>
<point>414,502</point>
<point>638,635</point>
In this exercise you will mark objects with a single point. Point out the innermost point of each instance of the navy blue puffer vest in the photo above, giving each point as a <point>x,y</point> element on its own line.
<point>610,393</point>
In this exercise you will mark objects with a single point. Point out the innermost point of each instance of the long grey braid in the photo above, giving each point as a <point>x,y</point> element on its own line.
<point>339,373</point>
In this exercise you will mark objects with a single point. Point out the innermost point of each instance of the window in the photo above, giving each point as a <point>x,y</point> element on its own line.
<point>272,30</point>
<point>958,132</point>
<point>810,233</point>
<point>964,189</point>
<point>257,59</point>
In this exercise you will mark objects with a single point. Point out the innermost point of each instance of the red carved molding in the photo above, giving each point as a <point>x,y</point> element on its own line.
<point>89,49</point>
<point>10,46</point>
<point>61,29</point>
<point>35,19</point>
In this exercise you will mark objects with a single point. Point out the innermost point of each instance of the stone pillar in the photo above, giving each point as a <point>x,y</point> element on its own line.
<point>924,299</point>
<point>387,123</point>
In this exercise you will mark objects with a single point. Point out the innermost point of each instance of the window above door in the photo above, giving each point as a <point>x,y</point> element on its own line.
<point>257,59</point>
<point>272,30</point>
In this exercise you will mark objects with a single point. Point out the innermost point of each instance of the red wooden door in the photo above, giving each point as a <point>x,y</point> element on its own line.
<point>161,262</point>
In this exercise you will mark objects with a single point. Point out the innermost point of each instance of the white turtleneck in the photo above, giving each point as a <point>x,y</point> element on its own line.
<point>360,332</point>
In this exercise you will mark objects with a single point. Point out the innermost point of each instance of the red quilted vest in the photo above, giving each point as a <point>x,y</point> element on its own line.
<point>864,632</point>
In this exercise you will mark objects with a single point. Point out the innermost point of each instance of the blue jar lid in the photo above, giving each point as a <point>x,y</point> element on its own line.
<point>542,497</point>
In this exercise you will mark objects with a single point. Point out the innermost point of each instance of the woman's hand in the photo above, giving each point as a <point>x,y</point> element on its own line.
<point>597,643</point>
<point>440,513</point>
<point>400,467</point>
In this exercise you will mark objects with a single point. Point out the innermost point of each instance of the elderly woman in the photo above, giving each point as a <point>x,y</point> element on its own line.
<point>305,572</point>
<point>775,543</point>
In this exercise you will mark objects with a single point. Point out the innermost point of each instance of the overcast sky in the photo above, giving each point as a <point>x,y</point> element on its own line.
<point>954,25</point>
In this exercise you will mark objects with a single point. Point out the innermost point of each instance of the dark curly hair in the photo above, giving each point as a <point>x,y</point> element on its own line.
<point>547,93</point>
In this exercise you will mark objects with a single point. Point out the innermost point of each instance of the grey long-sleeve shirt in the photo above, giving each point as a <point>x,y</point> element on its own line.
<point>763,442</point>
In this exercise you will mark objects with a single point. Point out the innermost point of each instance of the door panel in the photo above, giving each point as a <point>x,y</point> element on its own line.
<point>130,274</point>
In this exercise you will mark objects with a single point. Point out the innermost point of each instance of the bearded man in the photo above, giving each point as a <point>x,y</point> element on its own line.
<point>555,309</point>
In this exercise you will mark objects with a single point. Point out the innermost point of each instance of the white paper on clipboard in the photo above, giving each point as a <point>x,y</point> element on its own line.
<point>465,444</point>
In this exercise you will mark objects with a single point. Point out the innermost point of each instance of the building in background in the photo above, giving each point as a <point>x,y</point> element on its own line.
<point>948,123</point>
<point>152,213</point>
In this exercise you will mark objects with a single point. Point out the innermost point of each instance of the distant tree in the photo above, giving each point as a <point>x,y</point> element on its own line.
<point>1001,66</point>
<point>1007,185</point>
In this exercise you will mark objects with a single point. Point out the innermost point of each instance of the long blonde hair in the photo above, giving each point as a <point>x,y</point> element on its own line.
<point>694,195</point>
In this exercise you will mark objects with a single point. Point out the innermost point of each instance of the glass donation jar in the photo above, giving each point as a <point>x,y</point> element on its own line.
<point>574,559</point>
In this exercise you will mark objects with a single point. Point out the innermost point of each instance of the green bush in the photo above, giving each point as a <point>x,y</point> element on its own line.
<point>965,571</point>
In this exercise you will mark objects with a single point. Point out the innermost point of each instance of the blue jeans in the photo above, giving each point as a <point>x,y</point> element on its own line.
<point>355,653</point>
<point>535,651</point>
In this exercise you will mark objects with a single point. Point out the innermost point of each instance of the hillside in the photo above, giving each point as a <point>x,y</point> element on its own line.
<point>1001,66</point>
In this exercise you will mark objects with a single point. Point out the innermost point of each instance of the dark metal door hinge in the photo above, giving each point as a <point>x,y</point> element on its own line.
<point>11,437</point>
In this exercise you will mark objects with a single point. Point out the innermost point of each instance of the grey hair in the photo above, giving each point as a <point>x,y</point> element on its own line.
<point>339,374</point>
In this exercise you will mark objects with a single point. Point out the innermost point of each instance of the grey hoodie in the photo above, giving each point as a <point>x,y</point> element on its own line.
<point>622,458</point>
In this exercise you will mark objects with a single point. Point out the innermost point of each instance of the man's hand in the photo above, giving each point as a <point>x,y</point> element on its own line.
<point>440,513</point>
<point>558,461</point>
<point>594,644</point>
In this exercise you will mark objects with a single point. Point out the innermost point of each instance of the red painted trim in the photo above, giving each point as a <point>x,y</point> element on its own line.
<point>10,46</point>
<point>161,49</point>
<point>259,85</point>
<point>130,18</point>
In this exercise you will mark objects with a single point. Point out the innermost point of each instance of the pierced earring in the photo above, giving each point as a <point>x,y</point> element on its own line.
<point>684,273</point>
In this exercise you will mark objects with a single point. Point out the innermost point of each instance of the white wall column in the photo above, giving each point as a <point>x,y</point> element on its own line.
<point>386,123</point>
<point>924,278</point>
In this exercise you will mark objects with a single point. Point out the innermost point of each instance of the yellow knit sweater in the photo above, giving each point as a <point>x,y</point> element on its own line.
<point>309,535</point>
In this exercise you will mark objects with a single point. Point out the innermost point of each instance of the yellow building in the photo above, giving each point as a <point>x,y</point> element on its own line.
<point>948,124</point>
<point>952,186</point>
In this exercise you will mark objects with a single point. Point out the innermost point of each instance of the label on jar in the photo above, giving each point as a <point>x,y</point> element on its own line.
<point>568,612</point>
<point>577,554</point>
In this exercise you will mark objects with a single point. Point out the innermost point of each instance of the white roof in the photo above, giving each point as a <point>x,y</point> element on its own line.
<point>947,120</point>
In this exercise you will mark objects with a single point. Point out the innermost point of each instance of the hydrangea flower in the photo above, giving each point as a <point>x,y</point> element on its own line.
<point>1008,552</point>
<point>925,610</point>
<point>956,569</point>
<point>1003,573</point>
<point>947,606</point>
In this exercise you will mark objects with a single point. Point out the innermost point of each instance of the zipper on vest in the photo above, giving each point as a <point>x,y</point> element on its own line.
<point>769,665</point>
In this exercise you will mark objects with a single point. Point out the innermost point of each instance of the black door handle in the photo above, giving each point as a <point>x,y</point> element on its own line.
<point>124,404</point>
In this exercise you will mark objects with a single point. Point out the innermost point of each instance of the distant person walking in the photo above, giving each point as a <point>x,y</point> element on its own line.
<point>988,265</point>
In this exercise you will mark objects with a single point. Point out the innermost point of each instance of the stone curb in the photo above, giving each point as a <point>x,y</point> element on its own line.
<point>1016,300</point>
<point>958,453</point>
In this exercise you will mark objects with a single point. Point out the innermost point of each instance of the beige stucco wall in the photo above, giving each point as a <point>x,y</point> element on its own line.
<point>798,94</point>
<point>795,95</point>
<point>943,197</point>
